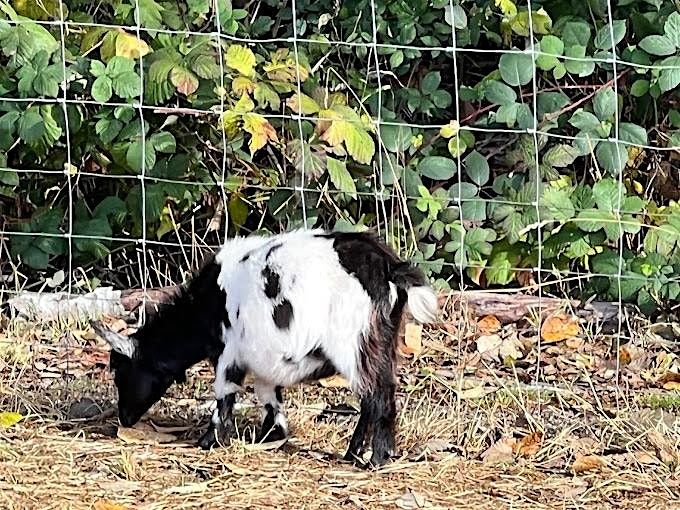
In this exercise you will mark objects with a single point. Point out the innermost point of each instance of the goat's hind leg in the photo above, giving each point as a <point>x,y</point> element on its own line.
<point>274,425</point>
<point>228,380</point>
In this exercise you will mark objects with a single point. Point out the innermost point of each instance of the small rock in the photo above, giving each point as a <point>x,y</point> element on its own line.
<point>84,408</point>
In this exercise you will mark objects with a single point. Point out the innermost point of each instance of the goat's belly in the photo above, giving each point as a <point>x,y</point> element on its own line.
<point>280,371</point>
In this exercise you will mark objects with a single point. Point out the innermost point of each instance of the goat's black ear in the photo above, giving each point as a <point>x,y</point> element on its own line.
<point>122,344</point>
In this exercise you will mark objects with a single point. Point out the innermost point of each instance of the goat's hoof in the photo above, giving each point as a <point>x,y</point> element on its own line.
<point>276,433</point>
<point>213,438</point>
<point>380,458</point>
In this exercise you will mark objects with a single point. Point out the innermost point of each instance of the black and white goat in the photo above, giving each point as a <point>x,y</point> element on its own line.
<point>288,308</point>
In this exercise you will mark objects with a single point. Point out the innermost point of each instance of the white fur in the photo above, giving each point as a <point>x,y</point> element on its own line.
<point>331,310</point>
<point>423,304</point>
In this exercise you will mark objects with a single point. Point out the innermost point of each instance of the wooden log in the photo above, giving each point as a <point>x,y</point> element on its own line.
<point>507,306</point>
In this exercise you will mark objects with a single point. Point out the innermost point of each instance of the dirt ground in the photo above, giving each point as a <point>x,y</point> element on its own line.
<point>597,427</point>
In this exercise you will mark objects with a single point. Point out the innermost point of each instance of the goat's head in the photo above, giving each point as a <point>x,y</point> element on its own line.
<point>139,380</point>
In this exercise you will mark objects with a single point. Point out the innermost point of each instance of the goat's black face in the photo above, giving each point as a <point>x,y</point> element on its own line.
<point>139,387</point>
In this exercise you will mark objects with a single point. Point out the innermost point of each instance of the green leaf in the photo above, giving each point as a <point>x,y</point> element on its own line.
<point>605,103</point>
<point>102,89</point>
<point>507,114</point>
<point>578,63</point>
<point>557,204</point>
<point>441,98</point>
<point>139,154</point>
<point>669,78</point>
<point>612,156</point>
<point>608,194</point>
<point>340,177</point>
<point>127,84</point>
<point>576,33</point>
<point>672,28</point>
<point>560,156</point>
<point>499,93</point>
<point>632,133</point>
<point>516,68</point>
<point>163,141</point>
<point>639,88</point>
<point>551,45</point>
<point>658,45</point>
<point>584,120</point>
<point>437,168</point>
<point>396,59</point>
<point>108,129</point>
<point>31,125</point>
<point>430,82</point>
<point>396,138</point>
<point>477,168</point>
<point>603,39</point>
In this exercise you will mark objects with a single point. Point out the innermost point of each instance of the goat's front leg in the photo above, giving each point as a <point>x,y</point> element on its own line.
<point>228,380</point>
<point>274,425</point>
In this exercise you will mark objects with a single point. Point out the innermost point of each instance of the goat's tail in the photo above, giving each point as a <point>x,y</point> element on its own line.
<point>421,300</point>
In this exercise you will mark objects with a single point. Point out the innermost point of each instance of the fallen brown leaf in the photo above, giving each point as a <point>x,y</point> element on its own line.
<point>143,433</point>
<point>672,385</point>
<point>668,377</point>
<point>488,346</point>
<point>529,445</point>
<point>584,463</point>
<point>413,340</point>
<point>500,452</point>
<point>488,324</point>
<point>559,327</point>
<point>334,381</point>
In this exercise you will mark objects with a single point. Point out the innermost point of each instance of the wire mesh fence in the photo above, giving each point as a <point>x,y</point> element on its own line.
<point>495,148</point>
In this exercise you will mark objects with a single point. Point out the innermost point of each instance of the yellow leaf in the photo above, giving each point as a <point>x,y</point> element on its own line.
<point>451,129</point>
<point>336,133</point>
<point>244,105</point>
<point>7,419</point>
<point>302,104</point>
<point>559,327</point>
<point>507,7</point>
<point>230,123</point>
<point>130,46</point>
<point>413,340</point>
<point>242,85</point>
<point>105,504</point>
<point>261,131</point>
<point>335,381</point>
<point>540,22</point>
<point>241,58</point>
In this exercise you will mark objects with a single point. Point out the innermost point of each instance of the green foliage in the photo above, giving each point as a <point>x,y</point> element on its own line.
<point>483,193</point>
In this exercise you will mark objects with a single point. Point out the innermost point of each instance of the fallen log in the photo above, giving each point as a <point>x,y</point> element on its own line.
<point>507,306</point>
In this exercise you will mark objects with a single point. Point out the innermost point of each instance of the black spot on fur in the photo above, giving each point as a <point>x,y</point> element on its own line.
<point>288,359</point>
<point>325,370</point>
<point>283,314</point>
<point>245,257</point>
<point>273,249</point>
<point>225,314</point>
<point>272,287</point>
<point>279,395</point>
<point>238,313</point>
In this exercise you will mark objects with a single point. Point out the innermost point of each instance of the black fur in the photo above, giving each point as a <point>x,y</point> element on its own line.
<point>272,286</point>
<point>222,432</point>
<point>272,250</point>
<point>283,314</point>
<point>169,343</point>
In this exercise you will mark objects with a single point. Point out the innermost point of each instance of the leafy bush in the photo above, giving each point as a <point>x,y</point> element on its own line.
<point>478,165</point>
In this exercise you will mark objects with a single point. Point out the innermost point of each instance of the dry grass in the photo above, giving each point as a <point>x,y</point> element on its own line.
<point>451,448</point>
